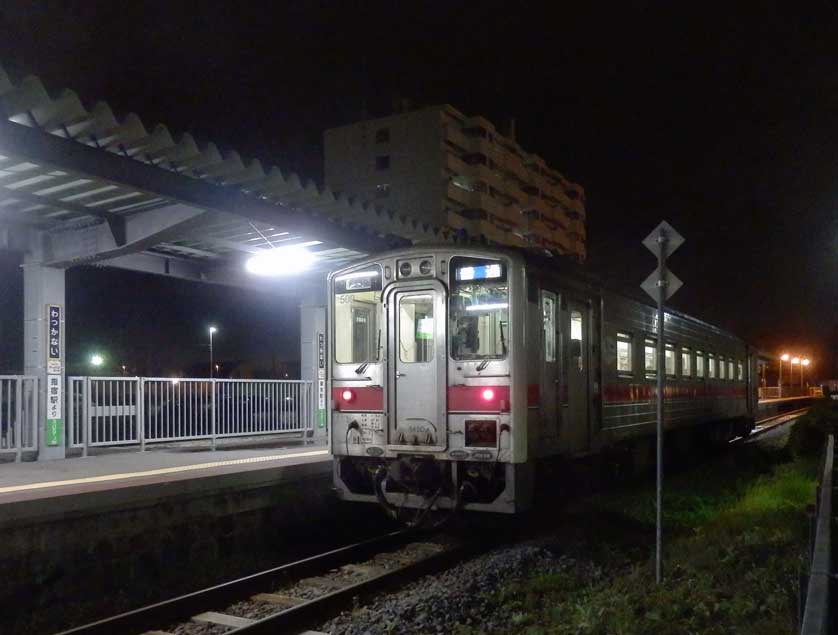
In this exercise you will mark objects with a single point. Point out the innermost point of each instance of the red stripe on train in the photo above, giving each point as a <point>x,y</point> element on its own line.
<point>646,392</point>
<point>474,398</point>
<point>363,398</point>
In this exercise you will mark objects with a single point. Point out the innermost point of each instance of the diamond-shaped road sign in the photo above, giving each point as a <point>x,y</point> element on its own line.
<point>650,285</point>
<point>673,239</point>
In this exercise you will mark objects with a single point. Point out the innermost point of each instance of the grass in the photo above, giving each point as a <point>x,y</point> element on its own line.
<point>734,534</point>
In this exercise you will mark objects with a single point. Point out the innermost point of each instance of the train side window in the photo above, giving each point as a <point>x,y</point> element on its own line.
<point>576,344</point>
<point>624,354</point>
<point>686,362</point>
<point>740,372</point>
<point>548,308</point>
<point>669,359</point>
<point>711,366</point>
<point>699,364</point>
<point>650,357</point>
<point>721,367</point>
<point>730,370</point>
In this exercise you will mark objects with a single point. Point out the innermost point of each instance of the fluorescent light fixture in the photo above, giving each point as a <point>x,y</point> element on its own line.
<point>358,274</point>
<point>282,261</point>
<point>488,307</point>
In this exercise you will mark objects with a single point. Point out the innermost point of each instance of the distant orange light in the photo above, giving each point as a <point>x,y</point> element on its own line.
<point>785,357</point>
<point>795,360</point>
<point>805,362</point>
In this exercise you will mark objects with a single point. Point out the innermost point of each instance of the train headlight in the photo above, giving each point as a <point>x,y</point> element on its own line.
<point>347,395</point>
<point>488,394</point>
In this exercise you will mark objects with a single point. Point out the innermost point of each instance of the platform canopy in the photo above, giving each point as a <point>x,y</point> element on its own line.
<point>82,185</point>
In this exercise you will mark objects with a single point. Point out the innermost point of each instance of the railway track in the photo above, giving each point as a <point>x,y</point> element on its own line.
<point>295,597</point>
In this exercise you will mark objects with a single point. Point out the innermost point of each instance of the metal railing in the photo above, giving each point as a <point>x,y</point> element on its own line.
<point>114,411</point>
<point>816,601</point>
<point>18,414</point>
<point>774,392</point>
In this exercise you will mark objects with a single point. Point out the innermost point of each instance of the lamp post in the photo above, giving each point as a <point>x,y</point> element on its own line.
<point>212,330</point>
<point>783,358</point>
<point>794,362</point>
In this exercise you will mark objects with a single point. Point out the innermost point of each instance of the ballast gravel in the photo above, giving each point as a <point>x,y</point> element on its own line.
<point>462,595</point>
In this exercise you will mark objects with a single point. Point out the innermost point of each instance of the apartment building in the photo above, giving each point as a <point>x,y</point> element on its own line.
<point>437,164</point>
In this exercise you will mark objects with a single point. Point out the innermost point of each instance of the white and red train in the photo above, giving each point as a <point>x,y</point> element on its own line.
<point>456,370</point>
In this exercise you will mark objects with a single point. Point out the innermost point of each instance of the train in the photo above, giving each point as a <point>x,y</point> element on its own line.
<point>455,372</point>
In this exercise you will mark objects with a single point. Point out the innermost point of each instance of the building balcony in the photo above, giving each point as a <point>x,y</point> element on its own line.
<point>481,201</point>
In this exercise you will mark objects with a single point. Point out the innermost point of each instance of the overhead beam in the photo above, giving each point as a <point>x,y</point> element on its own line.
<point>47,149</point>
<point>296,286</point>
<point>142,231</point>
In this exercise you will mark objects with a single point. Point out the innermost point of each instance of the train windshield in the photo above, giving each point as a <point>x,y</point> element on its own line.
<point>478,309</point>
<point>357,316</point>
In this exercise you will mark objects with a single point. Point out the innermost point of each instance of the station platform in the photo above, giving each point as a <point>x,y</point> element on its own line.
<point>768,402</point>
<point>164,468</point>
<point>76,531</point>
<point>773,407</point>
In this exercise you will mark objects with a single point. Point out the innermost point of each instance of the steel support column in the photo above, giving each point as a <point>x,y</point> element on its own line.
<point>44,287</point>
<point>313,363</point>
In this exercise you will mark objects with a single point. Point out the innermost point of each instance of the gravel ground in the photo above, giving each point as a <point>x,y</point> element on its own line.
<point>460,595</point>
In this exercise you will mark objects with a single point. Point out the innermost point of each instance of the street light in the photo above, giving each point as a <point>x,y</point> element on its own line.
<point>783,358</point>
<point>212,330</point>
<point>96,360</point>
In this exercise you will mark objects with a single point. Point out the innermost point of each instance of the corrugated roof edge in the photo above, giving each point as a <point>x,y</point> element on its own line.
<point>29,103</point>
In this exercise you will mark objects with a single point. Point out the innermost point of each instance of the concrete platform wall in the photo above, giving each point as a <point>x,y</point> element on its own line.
<point>67,560</point>
<point>775,407</point>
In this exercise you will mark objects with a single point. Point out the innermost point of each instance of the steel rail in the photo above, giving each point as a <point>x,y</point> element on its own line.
<point>315,612</point>
<point>182,608</point>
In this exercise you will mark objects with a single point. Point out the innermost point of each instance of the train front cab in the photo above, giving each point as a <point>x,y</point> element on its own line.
<point>425,351</point>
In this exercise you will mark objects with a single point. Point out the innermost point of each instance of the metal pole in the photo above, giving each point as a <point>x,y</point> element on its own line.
<point>780,381</point>
<point>660,399</point>
<point>210,353</point>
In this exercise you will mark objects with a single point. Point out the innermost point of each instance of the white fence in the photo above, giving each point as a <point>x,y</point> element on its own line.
<point>113,411</point>
<point>18,414</point>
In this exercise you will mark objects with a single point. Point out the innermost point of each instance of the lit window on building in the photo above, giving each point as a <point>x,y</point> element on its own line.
<point>623,353</point>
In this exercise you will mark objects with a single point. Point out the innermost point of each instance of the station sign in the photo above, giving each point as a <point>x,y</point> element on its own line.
<point>55,380</point>
<point>321,380</point>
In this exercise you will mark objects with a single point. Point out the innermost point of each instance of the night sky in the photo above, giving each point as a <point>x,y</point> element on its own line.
<point>721,118</point>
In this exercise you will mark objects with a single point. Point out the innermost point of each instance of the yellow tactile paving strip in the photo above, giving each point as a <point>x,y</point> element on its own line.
<point>160,471</point>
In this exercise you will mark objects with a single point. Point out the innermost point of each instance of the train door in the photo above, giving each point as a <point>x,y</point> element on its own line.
<point>417,377</point>
<point>550,373</point>
<point>576,332</point>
